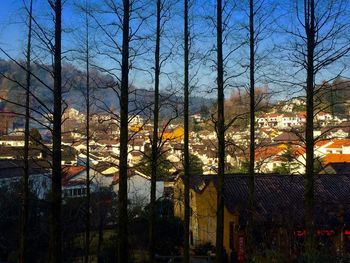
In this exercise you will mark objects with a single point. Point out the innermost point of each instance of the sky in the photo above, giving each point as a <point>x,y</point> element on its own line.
<point>11,25</point>
<point>13,31</point>
<point>13,37</point>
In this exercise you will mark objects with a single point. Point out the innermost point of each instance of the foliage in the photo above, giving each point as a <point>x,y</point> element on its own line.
<point>318,165</point>
<point>243,168</point>
<point>35,136</point>
<point>169,228</point>
<point>289,163</point>
<point>10,209</point>
<point>196,165</point>
<point>202,250</point>
<point>205,112</point>
<point>163,165</point>
<point>196,126</point>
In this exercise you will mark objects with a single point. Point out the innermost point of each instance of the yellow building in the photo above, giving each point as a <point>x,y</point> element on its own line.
<point>203,214</point>
<point>176,134</point>
<point>278,212</point>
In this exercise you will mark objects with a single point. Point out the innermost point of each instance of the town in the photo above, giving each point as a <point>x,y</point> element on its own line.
<point>279,152</point>
<point>153,131</point>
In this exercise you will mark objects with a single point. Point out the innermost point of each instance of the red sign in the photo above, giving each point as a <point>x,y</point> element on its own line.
<point>241,248</point>
<point>319,232</point>
<point>300,233</point>
<point>325,232</point>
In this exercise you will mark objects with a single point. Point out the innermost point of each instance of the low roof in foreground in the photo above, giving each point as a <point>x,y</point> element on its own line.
<point>280,198</point>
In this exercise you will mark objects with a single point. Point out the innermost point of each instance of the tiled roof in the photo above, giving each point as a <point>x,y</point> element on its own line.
<point>131,173</point>
<point>103,166</point>
<point>14,168</point>
<point>287,137</point>
<point>279,198</point>
<point>298,151</point>
<point>321,143</point>
<point>10,151</point>
<point>336,158</point>
<point>339,143</point>
<point>340,167</point>
<point>68,172</point>
<point>12,137</point>
<point>267,152</point>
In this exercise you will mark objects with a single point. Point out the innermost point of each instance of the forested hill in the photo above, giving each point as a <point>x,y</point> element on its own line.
<point>74,94</point>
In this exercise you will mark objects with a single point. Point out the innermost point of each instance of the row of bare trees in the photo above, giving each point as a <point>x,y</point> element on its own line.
<point>319,43</point>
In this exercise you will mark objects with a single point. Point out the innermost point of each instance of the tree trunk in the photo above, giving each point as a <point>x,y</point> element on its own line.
<point>88,197</point>
<point>252,130</point>
<point>309,172</point>
<point>186,139</point>
<point>25,200</point>
<point>123,248</point>
<point>55,246</point>
<point>221,138</point>
<point>100,237</point>
<point>154,162</point>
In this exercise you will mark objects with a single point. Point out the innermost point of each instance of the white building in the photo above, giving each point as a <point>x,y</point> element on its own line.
<point>139,188</point>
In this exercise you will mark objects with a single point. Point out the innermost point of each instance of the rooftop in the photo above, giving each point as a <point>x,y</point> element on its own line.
<point>279,198</point>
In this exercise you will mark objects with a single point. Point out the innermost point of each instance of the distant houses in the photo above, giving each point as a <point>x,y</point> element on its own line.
<point>11,174</point>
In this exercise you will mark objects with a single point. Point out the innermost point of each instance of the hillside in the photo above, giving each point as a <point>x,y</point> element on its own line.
<point>74,89</point>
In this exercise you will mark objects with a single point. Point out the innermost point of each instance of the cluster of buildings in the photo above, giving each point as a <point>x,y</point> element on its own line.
<point>279,149</point>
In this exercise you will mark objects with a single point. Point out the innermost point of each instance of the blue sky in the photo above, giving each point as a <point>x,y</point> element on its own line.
<point>13,34</point>
<point>11,24</point>
<point>13,31</point>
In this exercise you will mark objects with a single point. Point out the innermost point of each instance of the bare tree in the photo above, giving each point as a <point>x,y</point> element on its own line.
<point>55,245</point>
<point>88,179</point>
<point>123,243</point>
<point>186,138</point>
<point>220,128</point>
<point>152,219</point>
<point>252,125</point>
<point>25,204</point>
<point>319,42</point>
<point>260,17</point>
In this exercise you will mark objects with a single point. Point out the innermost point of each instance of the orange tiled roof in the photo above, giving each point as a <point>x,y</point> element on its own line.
<point>336,158</point>
<point>71,171</point>
<point>321,143</point>
<point>298,151</point>
<point>266,152</point>
<point>339,143</point>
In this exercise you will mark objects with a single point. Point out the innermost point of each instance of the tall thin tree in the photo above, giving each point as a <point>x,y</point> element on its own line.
<point>252,126</point>
<point>154,161</point>
<point>123,248</point>
<point>319,42</point>
<point>25,204</point>
<point>309,7</point>
<point>220,129</point>
<point>186,138</point>
<point>88,194</point>
<point>55,245</point>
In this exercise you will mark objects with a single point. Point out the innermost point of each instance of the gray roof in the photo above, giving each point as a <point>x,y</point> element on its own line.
<point>280,198</point>
<point>339,168</point>
<point>14,168</point>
